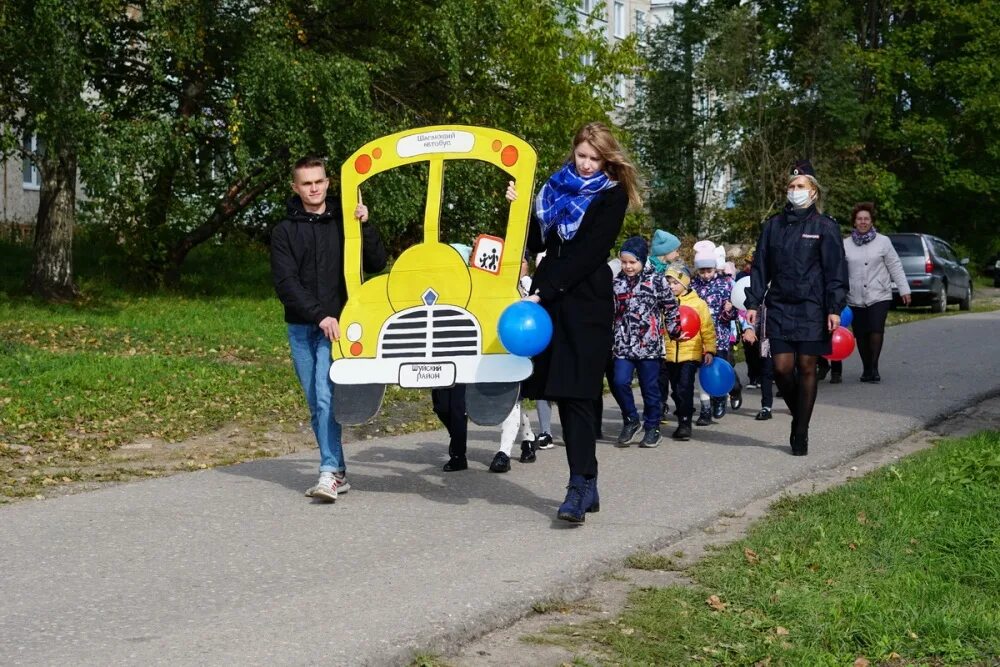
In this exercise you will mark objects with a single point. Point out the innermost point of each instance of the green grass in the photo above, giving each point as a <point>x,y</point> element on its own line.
<point>902,565</point>
<point>77,381</point>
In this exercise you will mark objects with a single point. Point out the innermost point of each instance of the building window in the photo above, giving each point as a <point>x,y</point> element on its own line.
<point>621,91</point>
<point>30,176</point>
<point>640,22</point>
<point>586,6</point>
<point>620,28</point>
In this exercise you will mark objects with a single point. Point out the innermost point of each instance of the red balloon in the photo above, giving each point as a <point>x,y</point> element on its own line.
<point>690,322</point>
<point>843,344</point>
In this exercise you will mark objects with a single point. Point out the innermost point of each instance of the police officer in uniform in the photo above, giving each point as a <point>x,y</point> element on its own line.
<point>800,273</point>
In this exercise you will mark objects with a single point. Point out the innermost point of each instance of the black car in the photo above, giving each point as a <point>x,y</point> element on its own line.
<point>936,276</point>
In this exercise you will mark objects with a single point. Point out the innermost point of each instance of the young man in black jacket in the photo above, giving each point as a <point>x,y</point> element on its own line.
<point>307,265</point>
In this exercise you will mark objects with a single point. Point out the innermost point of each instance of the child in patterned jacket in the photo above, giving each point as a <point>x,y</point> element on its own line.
<point>715,289</point>
<point>645,307</point>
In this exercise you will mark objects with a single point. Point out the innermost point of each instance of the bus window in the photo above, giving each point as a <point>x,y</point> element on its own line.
<point>474,201</point>
<point>396,201</point>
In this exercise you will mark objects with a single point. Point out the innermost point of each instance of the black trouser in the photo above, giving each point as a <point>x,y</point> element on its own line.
<point>682,376</point>
<point>751,351</point>
<point>449,406</point>
<point>730,356</point>
<point>598,407</point>
<point>766,380</point>
<point>577,418</point>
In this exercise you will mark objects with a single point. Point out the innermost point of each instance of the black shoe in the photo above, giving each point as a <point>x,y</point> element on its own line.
<point>765,413</point>
<point>683,431</point>
<point>664,413</point>
<point>736,400</point>
<point>456,463</point>
<point>800,445</point>
<point>866,377</point>
<point>651,438</point>
<point>719,407</point>
<point>822,370</point>
<point>628,433</point>
<point>705,418</point>
<point>543,441</point>
<point>527,452</point>
<point>836,378</point>
<point>875,378</point>
<point>501,463</point>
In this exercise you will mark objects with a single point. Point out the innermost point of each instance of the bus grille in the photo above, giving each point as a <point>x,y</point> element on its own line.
<point>430,332</point>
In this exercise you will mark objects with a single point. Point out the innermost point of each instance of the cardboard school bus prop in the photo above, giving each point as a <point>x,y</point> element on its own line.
<point>431,322</point>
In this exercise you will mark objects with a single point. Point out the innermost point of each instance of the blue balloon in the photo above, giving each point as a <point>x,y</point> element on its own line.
<point>717,378</point>
<point>846,316</point>
<point>525,329</point>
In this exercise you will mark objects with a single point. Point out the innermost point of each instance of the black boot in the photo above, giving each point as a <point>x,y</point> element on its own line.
<point>800,444</point>
<point>835,378</point>
<point>683,431</point>
<point>736,398</point>
<point>718,407</point>
<point>705,418</point>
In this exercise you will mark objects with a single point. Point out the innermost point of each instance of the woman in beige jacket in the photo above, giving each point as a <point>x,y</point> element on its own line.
<point>873,265</point>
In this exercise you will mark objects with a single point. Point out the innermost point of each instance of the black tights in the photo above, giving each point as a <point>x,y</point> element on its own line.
<point>796,378</point>
<point>870,348</point>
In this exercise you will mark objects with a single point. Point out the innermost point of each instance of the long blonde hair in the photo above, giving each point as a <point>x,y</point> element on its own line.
<point>617,163</point>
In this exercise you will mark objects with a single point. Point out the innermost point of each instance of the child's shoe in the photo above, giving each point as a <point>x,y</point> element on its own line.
<point>705,418</point>
<point>501,463</point>
<point>628,432</point>
<point>527,452</point>
<point>683,431</point>
<point>543,441</point>
<point>718,407</point>
<point>651,438</point>
<point>765,413</point>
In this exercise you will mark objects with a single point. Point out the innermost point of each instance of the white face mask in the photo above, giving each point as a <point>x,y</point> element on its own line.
<point>799,198</point>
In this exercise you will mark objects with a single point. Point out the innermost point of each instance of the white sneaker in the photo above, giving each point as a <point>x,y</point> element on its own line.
<point>325,489</point>
<point>343,486</point>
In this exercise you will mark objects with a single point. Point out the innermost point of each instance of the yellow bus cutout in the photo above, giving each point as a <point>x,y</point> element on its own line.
<point>431,322</point>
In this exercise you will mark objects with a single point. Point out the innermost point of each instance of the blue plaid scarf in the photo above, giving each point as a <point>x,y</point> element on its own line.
<point>564,199</point>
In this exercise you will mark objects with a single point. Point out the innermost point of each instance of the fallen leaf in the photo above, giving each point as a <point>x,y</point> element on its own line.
<point>912,634</point>
<point>852,546</point>
<point>780,631</point>
<point>628,632</point>
<point>895,656</point>
<point>715,603</point>
<point>766,662</point>
<point>862,662</point>
<point>750,555</point>
<point>862,518</point>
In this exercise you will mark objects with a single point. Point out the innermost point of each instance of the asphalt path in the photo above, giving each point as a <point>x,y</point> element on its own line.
<point>235,566</point>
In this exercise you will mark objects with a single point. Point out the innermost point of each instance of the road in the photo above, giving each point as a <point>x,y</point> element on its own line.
<point>235,566</point>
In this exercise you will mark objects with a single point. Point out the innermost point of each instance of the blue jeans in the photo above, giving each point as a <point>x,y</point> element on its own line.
<point>311,358</point>
<point>648,371</point>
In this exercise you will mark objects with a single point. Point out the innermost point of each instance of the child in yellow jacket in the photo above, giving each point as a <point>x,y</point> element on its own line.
<point>684,357</point>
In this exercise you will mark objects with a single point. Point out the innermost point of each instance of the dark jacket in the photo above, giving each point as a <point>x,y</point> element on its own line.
<point>307,261</point>
<point>645,308</point>
<point>799,264</point>
<point>574,283</point>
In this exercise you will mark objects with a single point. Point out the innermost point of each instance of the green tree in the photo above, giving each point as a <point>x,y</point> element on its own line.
<point>47,66</point>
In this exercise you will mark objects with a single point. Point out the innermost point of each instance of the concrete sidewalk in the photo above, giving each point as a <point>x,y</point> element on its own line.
<point>235,566</point>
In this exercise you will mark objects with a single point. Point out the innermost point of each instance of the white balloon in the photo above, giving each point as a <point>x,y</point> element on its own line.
<point>739,295</point>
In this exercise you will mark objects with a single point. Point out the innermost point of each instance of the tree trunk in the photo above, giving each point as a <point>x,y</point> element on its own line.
<point>51,275</point>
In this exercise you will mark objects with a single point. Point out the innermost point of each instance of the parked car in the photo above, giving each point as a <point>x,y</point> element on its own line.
<point>936,276</point>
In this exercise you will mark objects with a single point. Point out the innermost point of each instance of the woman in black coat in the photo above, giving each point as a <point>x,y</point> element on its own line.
<point>576,219</point>
<point>800,274</point>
